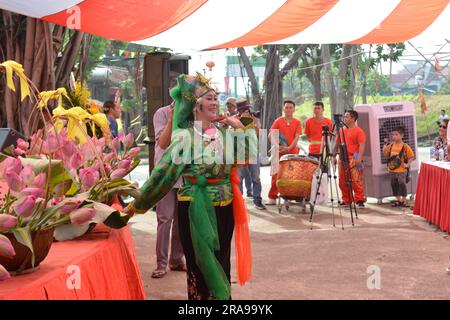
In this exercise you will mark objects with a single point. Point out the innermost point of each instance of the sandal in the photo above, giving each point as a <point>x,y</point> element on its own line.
<point>159,273</point>
<point>396,204</point>
<point>180,267</point>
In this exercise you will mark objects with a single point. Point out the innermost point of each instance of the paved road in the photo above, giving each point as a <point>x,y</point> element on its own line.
<point>291,261</point>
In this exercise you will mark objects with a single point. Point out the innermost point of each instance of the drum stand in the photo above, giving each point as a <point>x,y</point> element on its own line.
<point>326,166</point>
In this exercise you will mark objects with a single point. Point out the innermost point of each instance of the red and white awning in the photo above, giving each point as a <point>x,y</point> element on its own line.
<point>207,24</point>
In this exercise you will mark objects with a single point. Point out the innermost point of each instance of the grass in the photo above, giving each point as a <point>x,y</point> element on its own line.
<point>426,124</point>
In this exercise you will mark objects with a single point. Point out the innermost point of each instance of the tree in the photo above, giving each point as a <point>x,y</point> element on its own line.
<point>311,65</point>
<point>273,78</point>
<point>48,54</point>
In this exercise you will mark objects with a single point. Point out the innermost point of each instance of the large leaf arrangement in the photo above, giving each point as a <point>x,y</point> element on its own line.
<point>62,178</point>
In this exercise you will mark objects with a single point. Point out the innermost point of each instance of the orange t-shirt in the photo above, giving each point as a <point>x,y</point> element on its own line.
<point>353,138</point>
<point>313,130</point>
<point>407,153</point>
<point>289,131</point>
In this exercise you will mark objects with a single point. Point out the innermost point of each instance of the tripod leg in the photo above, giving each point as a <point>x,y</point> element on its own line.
<point>319,180</point>
<point>337,195</point>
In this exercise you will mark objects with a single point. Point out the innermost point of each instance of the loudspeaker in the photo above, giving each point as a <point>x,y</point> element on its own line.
<point>9,137</point>
<point>161,70</point>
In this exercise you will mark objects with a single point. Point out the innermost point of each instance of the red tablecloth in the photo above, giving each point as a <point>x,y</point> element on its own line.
<point>107,263</point>
<point>433,195</point>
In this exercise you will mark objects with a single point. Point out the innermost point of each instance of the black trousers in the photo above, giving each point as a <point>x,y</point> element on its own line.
<point>398,183</point>
<point>196,285</point>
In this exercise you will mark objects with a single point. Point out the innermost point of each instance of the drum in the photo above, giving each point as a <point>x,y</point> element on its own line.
<point>295,176</point>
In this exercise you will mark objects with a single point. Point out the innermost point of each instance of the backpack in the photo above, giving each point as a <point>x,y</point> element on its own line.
<point>395,161</point>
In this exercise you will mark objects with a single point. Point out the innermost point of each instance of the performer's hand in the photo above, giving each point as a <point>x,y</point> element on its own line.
<point>283,149</point>
<point>235,123</point>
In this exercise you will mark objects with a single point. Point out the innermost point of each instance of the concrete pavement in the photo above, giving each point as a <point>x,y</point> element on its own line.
<point>388,254</point>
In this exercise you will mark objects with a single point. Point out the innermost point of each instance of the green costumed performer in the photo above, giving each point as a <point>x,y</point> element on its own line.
<point>210,205</point>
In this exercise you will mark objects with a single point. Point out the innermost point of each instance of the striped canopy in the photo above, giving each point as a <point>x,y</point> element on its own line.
<point>214,24</point>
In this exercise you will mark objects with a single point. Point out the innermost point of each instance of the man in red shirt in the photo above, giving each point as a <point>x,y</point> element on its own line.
<point>313,129</point>
<point>355,139</point>
<point>289,131</point>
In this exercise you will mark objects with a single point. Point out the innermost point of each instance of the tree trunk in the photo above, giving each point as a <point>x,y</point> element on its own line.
<point>343,81</point>
<point>329,80</point>
<point>258,101</point>
<point>273,94</point>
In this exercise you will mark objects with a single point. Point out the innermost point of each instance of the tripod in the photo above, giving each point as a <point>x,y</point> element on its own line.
<point>345,161</point>
<point>325,166</point>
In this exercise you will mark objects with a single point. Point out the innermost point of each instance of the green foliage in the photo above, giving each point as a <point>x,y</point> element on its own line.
<point>425,124</point>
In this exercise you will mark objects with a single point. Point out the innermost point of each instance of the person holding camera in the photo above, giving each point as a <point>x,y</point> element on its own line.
<point>314,127</point>
<point>355,140</point>
<point>400,156</point>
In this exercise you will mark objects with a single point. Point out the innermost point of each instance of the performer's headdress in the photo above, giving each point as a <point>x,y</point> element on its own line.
<point>189,89</point>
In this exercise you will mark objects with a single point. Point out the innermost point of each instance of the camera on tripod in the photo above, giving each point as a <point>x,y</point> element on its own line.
<point>338,119</point>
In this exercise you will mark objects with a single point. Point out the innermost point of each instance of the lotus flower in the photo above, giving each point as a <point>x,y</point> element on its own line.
<point>24,206</point>
<point>76,160</point>
<point>22,144</point>
<point>107,168</point>
<point>10,165</point>
<point>115,143</point>
<point>55,201</point>
<point>27,175</point>
<point>68,148</point>
<point>4,274</point>
<point>37,192</point>
<point>6,248</point>
<point>70,206</point>
<point>82,215</point>
<point>39,181</point>
<point>18,151</point>
<point>134,152</point>
<point>7,221</point>
<point>88,177</point>
<point>125,164</point>
<point>96,165</point>
<point>52,143</point>
<point>110,156</point>
<point>128,140</point>
<point>15,182</point>
<point>118,174</point>
<point>87,151</point>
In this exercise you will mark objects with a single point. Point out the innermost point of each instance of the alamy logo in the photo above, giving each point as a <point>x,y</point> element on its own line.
<point>73,281</point>
<point>374,280</point>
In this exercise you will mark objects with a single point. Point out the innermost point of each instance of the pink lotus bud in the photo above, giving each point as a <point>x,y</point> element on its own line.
<point>10,164</point>
<point>101,142</point>
<point>125,164</point>
<point>14,181</point>
<point>68,148</point>
<point>115,143</point>
<point>87,151</point>
<point>96,165</point>
<point>128,140</point>
<point>76,160</point>
<point>107,168</point>
<point>6,248</point>
<point>55,201</point>
<point>37,192</point>
<point>7,221</point>
<point>110,156</point>
<point>82,215</point>
<point>4,274</point>
<point>134,152</point>
<point>27,175</point>
<point>88,177</point>
<point>39,181</point>
<point>24,206</point>
<point>118,174</point>
<point>70,205</point>
<point>52,143</point>
<point>19,151</point>
<point>22,144</point>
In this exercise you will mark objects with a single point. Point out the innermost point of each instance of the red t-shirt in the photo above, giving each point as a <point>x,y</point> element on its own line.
<point>353,138</point>
<point>313,130</point>
<point>289,131</point>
